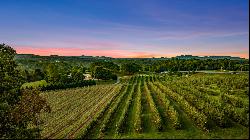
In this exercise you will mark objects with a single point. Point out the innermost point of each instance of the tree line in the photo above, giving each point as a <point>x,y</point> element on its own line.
<point>67,72</point>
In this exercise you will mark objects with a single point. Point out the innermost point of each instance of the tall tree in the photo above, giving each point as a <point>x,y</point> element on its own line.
<point>10,97</point>
<point>77,73</point>
<point>52,73</point>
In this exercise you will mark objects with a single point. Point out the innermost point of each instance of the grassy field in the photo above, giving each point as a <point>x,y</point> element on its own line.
<point>155,106</point>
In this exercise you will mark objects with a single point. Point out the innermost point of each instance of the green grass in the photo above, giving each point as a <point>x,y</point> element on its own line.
<point>35,84</point>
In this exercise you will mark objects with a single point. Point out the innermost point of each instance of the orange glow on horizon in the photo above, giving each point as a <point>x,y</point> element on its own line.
<point>112,53</point>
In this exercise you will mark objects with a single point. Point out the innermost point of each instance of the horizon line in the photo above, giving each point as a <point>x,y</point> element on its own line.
<point>132,57</point>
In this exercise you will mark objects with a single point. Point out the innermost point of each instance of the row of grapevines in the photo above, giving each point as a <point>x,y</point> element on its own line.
<point>124,115</point>
<point>106,117</point>
<point>198,102</point>
<point>117,115</point>
<point>155,114</point>
<point>128,123</point>
<point>199,118</point>
<point>170,112</point>
<point>216,109</point>
<point>62,96</point>
<point>227,104</point>
<point>79,109</point>
<point>237,114</point>
<point>72,96</point>
<point>81,115</point>
<point>55,121</point>
<point>225,97</point>
<point>235,101</point>
<point>99,112</point>
<point>226,81</point>
<point>57,110</point>
<point>137,119</point>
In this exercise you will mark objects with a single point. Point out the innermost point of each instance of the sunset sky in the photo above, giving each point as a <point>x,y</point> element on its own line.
<point>126,28</point>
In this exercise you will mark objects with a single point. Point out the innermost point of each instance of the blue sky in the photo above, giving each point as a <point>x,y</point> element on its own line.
<point>126,28</point>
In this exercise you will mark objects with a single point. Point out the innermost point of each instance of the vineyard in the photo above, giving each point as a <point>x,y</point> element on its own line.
<point>152,106</point>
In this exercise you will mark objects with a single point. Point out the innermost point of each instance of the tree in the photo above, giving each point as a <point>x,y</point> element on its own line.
<point>10,96</point>
<point>52,73</point>
<point>130,68</point>
<point>9,75</point>
<point>27,75</point>
<point>38,75</point>
<point>103,73</point>
<point>27,111</point>
<point>77,73</point>
<point>9,88</point>
<point>108,65</point>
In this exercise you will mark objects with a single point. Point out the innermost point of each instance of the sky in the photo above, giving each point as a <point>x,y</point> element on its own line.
<point>126,28</point>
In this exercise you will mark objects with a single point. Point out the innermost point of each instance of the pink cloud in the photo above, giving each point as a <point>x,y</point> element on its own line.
<point>49,51</point>
<point>72,52</point>
<point>143,55</point>
<point>115,53</point>
<point>79,52</point>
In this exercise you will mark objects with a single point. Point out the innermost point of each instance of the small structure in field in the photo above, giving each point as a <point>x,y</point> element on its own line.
<point>87,76</point>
